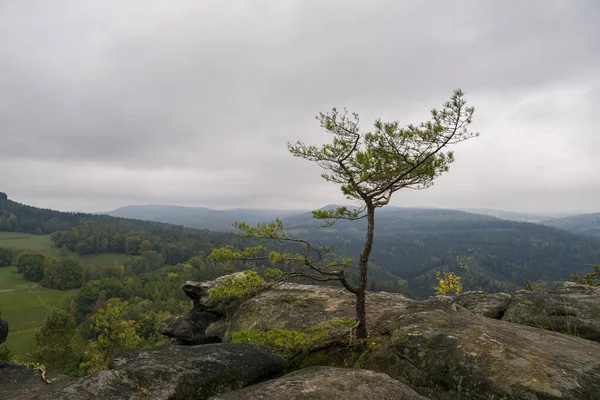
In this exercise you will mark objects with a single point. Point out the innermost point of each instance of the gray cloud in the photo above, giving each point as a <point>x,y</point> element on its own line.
<point>108,103</point>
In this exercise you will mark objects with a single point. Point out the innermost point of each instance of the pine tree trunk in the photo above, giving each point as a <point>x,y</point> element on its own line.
<point>361,309</point>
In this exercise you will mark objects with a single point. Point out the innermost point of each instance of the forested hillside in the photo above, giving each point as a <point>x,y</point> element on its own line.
<point>96,234</point>
<point>585,224</point>
<point>150,244</point>
<point>488,252</point>
<point>411,245</point>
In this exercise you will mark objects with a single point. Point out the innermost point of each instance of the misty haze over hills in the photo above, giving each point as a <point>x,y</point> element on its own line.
<point>221,220</point>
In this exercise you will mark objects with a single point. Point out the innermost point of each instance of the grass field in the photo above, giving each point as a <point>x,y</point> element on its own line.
<point>25,308</point>
<point>43,244</point>
<point>24,304</point>
<point>40,243</point>
<point>11,279</point>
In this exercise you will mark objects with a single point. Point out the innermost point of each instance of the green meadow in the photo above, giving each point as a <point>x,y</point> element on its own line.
<point>24,305</point>
<point>25,311</point>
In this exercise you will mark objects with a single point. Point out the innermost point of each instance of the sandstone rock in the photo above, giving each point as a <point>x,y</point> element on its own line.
<point>438,348</point>
<point>307,308</point>
<point>18,382</point>
<point>435,346</point>
<point>175,372</point>
<point>326,383</point>
<point>199,292</point>
<point>573,309</point>
<point>190,329</point>
<point>287,306</point>
<point>491,305</point>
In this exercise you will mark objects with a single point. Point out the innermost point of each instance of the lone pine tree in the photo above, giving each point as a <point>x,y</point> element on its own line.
<point>370,167</point>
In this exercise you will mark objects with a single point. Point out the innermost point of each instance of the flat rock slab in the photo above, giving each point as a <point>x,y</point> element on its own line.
<point>437,344</point>
<point>175,372</point>
<point>572,309</point>
<point>326,383</point>
<point>301,307</point>
<point>286,306</point>
<point>18,382</point>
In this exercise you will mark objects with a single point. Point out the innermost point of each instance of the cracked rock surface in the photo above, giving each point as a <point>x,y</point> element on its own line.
<point>174,372</point>
<point>319,383</point>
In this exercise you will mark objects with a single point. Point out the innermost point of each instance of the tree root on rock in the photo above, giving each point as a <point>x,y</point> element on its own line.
<point>44,379</point>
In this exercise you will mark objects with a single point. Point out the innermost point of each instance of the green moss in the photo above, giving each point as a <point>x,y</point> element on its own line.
<point>342,323</point>
<point>280,340</point>
<point>285,341</point>
<point>237,287</point>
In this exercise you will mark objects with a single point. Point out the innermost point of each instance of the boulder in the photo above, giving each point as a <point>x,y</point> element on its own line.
<point>287,306</point>
<point>438,347</point>
<point>325,383</point>
<point>491,305</point>
<point>325,314</point>
<point>205,323</point>
<point>442,349</point>
<point>191,328</point>
<point>573,309</point>
<point>175,372</point>
<point>3,330</point>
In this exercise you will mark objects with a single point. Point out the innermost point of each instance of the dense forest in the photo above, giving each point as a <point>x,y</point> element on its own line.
<point>151,244</point>
<point>414,244</point>
<point>488,253</point>
<point>96,234</point>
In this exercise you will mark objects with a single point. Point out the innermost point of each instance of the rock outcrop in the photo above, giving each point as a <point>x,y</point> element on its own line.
<point>287,306</point>
<point>306,307</point>
<point>191,328</point>
<point>320,383</point>
<point>199,292</point>
<point>443,348</point>
<point>437,346</point>
<point>174,372</point>
<point>572,309</point>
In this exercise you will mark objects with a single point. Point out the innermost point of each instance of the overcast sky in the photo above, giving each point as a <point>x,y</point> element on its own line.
<point>110,103</point>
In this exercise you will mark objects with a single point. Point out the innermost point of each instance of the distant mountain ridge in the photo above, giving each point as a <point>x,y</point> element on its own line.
<point>518,216</point>
<point>199,217</point>
<point>585,224</point>
<point>220,220</point>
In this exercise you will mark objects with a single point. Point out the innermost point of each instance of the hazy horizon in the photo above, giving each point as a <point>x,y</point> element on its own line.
<point>108,104</point>
<point>307,209</point>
